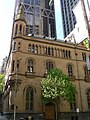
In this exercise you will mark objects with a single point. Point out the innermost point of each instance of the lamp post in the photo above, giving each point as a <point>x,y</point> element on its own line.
<point>15,90</point>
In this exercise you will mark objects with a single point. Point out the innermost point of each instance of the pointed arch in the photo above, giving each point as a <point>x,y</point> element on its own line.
<point>29,96</point>
<point>16,29</point>
<point>49,64</point>
<point>88,97</point>
<point>30,65</point>
<point>70,69</point>
<point>86,71</point>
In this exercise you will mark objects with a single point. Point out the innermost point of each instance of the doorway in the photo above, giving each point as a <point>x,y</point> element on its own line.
<point>50,111</point>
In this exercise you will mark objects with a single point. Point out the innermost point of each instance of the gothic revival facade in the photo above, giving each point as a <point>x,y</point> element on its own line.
<point>29,59</point>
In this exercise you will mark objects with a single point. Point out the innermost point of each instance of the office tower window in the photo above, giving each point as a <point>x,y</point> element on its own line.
<point>27,1</point>
<point>68,16</point>
<point>40,17</point>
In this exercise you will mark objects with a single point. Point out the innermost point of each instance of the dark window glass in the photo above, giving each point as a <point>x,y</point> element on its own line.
<point>36,49</point>
<point>49,65</point>
<point>27,1</point>
<point>64,55</point>
<point>17,65</point>
<point>70,70</point>
<point>29,48</point>
<point>48,50</point>
<point>84,56</point>
<point>29,99</point>
<point>86,71</point>
<point>30,66</point>
<point>73,104</point>
<point>13,65</point>
<point>16,29</point>
<point>14,47</point>
<point>45,50</point>
<point>88,98</point>
<point>74,118</point>
<point>20,29</point>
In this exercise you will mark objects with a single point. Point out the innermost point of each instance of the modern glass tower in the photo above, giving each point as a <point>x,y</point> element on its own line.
<point>68,16</point>
<point>40,17</point>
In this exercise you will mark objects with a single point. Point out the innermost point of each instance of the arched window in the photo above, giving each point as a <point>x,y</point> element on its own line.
<point>29,99</point>
<point>30,66</point>
<point>14,46</point>
<point>45,50</point>
<point>20,30</point>
<point>49,50</point>
<point>86,71</point>
<point>88,98</point>
<point>63,53</point>
<point>16,29</point>
<point>36,49</point>
<point>84,56</point>
<point>33,48</point>
<point>73,104</point>
<point>70,70</point>
<point>49,65</point>
<point>69,54</point>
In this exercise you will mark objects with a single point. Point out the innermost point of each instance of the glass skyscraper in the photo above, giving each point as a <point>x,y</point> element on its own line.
<point>40,17</point>
<point>68,16</point>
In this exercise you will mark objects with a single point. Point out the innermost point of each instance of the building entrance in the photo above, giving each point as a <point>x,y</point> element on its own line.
<point>50,111</point>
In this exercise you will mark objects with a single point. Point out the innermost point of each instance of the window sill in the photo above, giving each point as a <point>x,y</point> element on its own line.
<point>29,74</point>
<point>87,78</point>
<point>71,77</point>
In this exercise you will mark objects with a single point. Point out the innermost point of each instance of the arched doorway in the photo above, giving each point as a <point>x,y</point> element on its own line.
<point>50,111</point>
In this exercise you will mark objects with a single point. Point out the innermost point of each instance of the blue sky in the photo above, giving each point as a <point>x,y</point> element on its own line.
<point>6,20</point>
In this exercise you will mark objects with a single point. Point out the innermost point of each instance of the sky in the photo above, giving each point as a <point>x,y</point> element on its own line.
<point>6,21</point>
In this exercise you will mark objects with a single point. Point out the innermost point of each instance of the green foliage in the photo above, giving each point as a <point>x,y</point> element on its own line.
<point>1,82</point>
<point>57,87</point>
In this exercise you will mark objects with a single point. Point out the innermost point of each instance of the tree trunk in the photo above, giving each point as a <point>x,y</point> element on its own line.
<point>56,110</point>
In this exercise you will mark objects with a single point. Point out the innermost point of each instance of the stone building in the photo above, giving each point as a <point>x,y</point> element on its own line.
<point>29,59</point>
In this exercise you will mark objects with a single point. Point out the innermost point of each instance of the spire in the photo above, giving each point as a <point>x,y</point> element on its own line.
<point>20,14</point>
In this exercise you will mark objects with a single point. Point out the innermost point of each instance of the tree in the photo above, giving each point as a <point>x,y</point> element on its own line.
<point>57,87</point>
<point>1,91</point>
<point>1,82</point>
